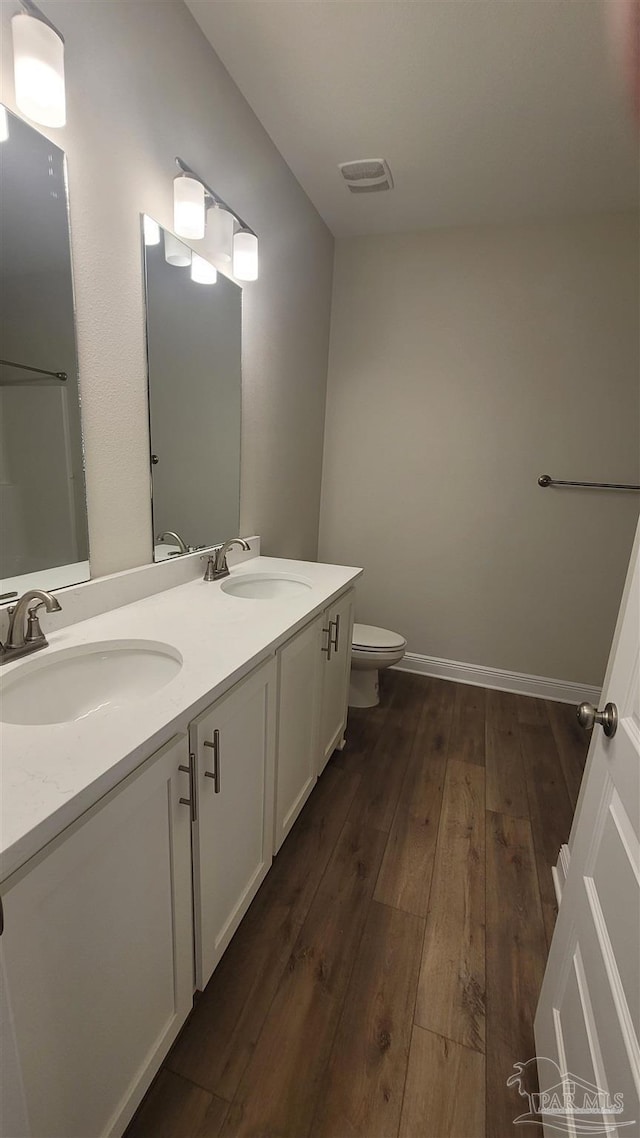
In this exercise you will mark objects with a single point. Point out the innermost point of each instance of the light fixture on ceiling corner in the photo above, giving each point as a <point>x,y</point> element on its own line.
<point>202,272</point>
<point>38,65</point>
<point>189,212</point>
<point>220,230</point>
<point>4,124</point>
<point>175,252</point>
<point>245,255</point>
<point>151,230</point>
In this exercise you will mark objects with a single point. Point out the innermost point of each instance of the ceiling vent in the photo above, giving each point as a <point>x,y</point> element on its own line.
<point>368,176</point>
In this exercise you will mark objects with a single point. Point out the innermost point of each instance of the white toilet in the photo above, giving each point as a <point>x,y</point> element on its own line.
<point>372,649</point>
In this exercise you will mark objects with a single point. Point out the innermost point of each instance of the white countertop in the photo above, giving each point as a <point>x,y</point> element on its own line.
<point>51,774</point>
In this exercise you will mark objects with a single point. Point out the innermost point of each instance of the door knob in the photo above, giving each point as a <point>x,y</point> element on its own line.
<point>608,718</point>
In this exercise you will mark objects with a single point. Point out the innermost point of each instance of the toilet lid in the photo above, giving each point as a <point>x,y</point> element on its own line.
<point>372,638</point>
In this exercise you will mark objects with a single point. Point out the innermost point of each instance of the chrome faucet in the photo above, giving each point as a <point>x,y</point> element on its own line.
<point>182,545</point>
<point>217,563</point>
<point>25,634</point>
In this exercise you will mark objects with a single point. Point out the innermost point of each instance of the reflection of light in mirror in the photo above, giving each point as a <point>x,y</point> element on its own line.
<point>189,214</point>
<point>38,63</point>
<point>175,252</point>
<point>151,231</point>
<point>202,272</point>
<point>220,226</point>
<point>245,256</point>
<point>4,124</point>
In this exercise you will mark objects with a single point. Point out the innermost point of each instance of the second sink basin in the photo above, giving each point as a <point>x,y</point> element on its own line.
<point>264,586</point>
<point>64,686</point>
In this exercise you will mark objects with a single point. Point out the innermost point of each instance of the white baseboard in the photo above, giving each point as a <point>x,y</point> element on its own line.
<point>539,686</point>
<point>559,872</point>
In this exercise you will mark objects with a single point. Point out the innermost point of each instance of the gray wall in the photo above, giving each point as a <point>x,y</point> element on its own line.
<point>463,364</point>
<point>143,85</point>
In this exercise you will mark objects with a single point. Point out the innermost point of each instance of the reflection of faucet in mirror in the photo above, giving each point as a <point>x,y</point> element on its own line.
<point>22,640</point>
<point>182,545</point>
<point>220,567</point>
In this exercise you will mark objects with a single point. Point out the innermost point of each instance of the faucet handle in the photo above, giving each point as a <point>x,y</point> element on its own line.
<point>210,571</point>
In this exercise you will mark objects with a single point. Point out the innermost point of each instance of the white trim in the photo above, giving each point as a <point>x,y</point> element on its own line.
<point>560,870</point>
<point>564,691</point>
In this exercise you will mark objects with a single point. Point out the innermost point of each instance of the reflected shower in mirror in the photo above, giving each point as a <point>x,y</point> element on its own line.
<point>43,534</point>
<point>194,329</point>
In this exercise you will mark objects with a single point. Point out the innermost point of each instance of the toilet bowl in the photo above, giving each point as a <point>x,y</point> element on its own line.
<point>372,649</point>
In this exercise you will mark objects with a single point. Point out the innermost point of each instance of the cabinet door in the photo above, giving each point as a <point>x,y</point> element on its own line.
<point>300,668</point>
<point>338,631</point>
<point>97,959</point>
<point>234,745</point>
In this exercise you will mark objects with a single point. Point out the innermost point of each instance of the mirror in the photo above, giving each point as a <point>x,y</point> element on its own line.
<point>43,533</point>
<point>194,335</point>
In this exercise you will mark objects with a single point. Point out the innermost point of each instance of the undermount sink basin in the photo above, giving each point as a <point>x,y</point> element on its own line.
<point>64,686</point>
<point>264,586</point>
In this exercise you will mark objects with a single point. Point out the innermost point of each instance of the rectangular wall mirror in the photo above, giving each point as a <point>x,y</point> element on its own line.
<point>43,537</point>
<point>194,340</point>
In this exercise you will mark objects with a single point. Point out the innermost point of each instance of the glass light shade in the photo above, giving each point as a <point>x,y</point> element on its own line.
<point>38,65</point>
<point>151,231</point>
<point>189,214</point>
<point>202,272</point>
<point>175,253</point>
<point>220,226</point>
<point>4,124</point>
<point>245,256</point>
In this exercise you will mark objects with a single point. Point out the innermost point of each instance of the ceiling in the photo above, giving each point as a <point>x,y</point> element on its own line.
<point>487,111</point>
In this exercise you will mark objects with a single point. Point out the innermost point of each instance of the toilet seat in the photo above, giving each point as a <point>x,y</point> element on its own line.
<point>368,638</point>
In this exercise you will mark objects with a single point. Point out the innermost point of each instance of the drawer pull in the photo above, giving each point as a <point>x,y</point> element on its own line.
<point>327,647</point>
<point>215,773</point>
<point>191,800</point>
<point>335,642</point>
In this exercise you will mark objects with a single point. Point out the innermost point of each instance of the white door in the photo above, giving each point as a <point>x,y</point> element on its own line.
<point>588,1018</point>
<point>337,632</point>
<point>300,667</point>
<point>234,745</point>
<point>96,959</point>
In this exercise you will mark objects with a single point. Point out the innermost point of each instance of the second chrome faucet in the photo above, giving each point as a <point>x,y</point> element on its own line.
<point>217,562</point>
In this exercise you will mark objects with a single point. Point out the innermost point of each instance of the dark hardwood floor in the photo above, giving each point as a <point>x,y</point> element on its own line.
<point>386,976</point>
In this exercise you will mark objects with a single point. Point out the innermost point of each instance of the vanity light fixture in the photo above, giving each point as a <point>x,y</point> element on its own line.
<point>151,231</point>
<point>189,213</point>
<point>220,230</point>
<point>238,246</point>
<point>175,252</point>
<point>38,65</point>
<point>245,256</point>
<point>202,272</point>
<point>4,124</point>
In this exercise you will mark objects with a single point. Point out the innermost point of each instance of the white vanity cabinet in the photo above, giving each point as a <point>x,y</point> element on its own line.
<point>96,959</point>
<point>313,691</point>
<point>300,679</point>
<point>338,633</point>
<point>233,744</point>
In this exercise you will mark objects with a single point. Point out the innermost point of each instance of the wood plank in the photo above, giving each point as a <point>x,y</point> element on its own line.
<point>405,875</point>
<point>572,744</point>
<point>506,784</point>
<point>467,740</point>
<point>550,810</point>
<point>278,1091</point>
<point>361,1093</point>
<point>452,977</point>
<point>516,957</point>
<point>216,1044</point>
<point>377,796</point>
<point>175,1108</point>
<point>532,712</point>
<point>444,1093</point>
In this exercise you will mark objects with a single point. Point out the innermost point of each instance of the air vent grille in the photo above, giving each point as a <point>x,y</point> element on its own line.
<point>367,176</point>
